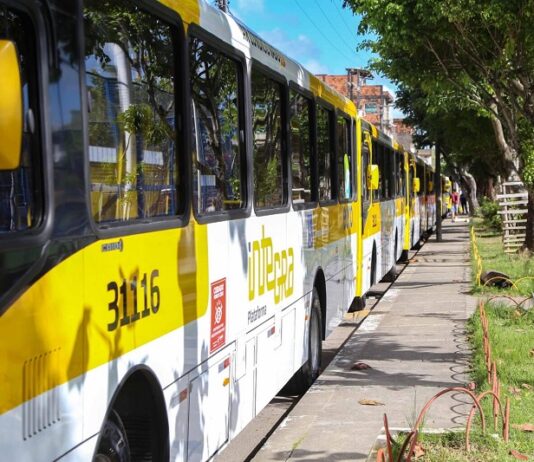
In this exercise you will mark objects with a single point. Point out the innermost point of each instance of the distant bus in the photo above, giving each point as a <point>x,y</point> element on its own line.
<point>185,214</point>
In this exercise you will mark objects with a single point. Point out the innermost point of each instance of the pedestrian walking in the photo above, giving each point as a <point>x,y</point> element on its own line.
<point>463,203</point>
<point>455,200</point>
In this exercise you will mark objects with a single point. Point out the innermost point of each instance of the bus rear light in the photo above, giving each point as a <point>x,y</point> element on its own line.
<point>226,381</point>
<point>226,362</point>
<point>183,395</point>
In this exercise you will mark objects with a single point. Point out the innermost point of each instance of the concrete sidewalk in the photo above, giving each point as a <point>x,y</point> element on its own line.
<point>414,341</point>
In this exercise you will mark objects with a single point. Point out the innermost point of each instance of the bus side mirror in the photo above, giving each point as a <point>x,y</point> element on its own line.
<point>372,177</point>
<point>416,186</point>
<point>430,186</point>
<point>10,107</point>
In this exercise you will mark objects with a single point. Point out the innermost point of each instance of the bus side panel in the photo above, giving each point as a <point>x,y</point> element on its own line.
<point>49,425</point>
<point>387,237</point>
<point>209,405</point>
<point>177,400</point>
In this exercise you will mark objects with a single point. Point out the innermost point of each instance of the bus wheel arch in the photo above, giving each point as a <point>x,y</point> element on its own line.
<point>372,280</point>
<point>396,246</point>
<point>137,410</point>
<point>320,285</point>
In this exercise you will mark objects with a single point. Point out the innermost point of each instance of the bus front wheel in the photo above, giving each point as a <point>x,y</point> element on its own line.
<point>113,445</point>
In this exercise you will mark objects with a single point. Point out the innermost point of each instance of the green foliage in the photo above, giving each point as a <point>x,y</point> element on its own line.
<point>489,210</point>
<point>469,58</point>
<point>140,119</point>
<point>519,267</point>
<point>526,136</point>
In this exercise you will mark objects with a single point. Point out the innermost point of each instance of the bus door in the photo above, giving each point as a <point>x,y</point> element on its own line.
<point>366,195</point>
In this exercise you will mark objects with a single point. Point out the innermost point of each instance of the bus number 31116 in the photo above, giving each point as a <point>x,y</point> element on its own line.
<point>119,304</point>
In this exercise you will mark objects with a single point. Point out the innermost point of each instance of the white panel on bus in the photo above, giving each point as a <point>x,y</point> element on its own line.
<point>267,362</point>
<point>286,365</point>
<point>209,399</point>
<point>177,399</point>
<point>243,409</point>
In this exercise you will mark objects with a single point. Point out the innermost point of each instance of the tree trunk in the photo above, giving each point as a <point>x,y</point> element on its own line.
<point>529,239</point>
<point>490,189</point>
<point>470,186</point>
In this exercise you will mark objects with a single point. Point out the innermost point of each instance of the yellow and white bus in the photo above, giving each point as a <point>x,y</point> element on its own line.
<point>180,226</point>
<point>385,207</point>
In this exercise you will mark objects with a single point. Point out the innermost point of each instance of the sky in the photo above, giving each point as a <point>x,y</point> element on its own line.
<point>320,34</point>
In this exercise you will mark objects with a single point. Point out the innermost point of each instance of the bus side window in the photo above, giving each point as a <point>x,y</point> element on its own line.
<point>365,164</point>
<point>421,175</point>
<point>378,159</point>
<point>390,173</point>
<point>218,183</point>
<point>134,171</point>
<point>399,173</point>
<point>21,195</point>
<point>344,160</point>
<point>267,140</point>
<point>324,154</point>
<point>301,148</point>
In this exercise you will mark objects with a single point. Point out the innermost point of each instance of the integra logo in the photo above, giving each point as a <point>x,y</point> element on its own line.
<point>269,271</point>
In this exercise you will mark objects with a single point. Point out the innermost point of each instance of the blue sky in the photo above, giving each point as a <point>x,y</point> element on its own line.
<point>320,34</point>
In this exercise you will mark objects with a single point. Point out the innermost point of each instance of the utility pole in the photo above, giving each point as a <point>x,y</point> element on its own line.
<point>439,195</point>
<point>349,83</point>
<point>361,76</point>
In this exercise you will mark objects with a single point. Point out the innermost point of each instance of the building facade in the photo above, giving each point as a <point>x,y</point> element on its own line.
<point>374,102</point>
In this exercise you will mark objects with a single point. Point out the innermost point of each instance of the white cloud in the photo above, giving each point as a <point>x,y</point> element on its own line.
<point>252,6</point>
<point>300,48</point>
<point>315,67</point>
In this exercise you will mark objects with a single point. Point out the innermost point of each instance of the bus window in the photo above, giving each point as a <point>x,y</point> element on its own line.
<point>378,160</point>
<point>420,172</point>
<point>218,185</point>
<point>411,176</point>
<point>324,154</point>
<point>132,155</point>
<point>386,170</point>
<point>389,167</point>
<point>300,139</point>
<point>400,174</point>
<point>365,164</point>
<point>21,194</point>
<point>267,134</point>
<point>344,159</point>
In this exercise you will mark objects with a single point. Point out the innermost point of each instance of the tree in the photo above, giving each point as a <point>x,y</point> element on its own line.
<point>478,51</point>
<point>464,137</point>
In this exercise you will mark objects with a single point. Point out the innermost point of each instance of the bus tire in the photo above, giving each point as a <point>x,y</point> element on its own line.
<point>113,446</point>
<point>310,370</point>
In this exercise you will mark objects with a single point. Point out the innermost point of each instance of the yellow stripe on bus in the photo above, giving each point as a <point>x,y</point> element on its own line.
<point>323,91</point>
<point>69,311</point>
<point>189,10</point>
<point>399,206</point>
<point>373,223</point>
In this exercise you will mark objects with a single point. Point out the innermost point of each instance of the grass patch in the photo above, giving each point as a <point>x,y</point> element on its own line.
<point>512,339</point>
<point>516,266</point>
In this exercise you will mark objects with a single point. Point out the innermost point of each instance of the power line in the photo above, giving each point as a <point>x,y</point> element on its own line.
<point>343,19</point>
<point>352,50</point>
<point>322,33</point>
